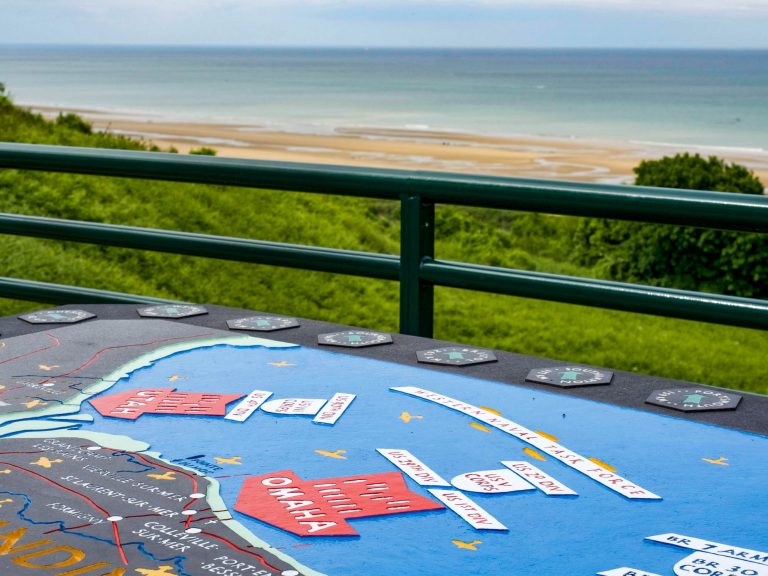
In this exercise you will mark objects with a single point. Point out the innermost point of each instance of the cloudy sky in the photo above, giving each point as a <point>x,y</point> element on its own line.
<point>399,23</point>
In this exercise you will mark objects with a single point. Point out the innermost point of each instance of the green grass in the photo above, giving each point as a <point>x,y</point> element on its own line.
<point>709,353</point>
<point>719,355</point>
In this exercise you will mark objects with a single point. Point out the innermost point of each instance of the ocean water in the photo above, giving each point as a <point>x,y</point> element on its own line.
<point>707,98</point>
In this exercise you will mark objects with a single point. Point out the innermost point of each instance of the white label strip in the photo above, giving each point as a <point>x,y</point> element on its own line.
<point>415,468</point>
<point>572,459</point>
<point>334,408</point>
<point>541,480</point>
<point>626,572</point>
<point>490,482</point>
<point>692,543</point>
<point>470,512</point>
<point>248,405</point>
<point>715,565</point>
<point>294,406</point>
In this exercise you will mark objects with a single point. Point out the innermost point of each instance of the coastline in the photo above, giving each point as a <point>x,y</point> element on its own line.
<point>73,405</point>
<point>46,425</point>
<point>523,156</point>
<point>213,496</point>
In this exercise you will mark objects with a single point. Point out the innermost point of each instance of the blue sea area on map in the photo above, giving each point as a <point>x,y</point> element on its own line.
<point>598,530</point>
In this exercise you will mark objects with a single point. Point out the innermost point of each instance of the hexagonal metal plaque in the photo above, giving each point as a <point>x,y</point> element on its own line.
<point>455,356</point>
<point>570,376</point>
<point>263,323</point>
<point>694,399</point>
<point>57,316</point>
<point>172,311</point>
<point>354,339</point>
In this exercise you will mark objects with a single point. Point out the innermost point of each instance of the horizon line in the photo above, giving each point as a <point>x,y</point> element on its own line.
<point>378,47</point>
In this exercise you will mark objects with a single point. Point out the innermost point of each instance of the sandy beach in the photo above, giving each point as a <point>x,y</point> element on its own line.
<point>583,160</point>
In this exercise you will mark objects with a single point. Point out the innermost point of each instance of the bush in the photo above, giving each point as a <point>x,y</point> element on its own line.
<point>74,122</point>
<point>677,256</point>
<point>203,151</point>
<point>697,173</point>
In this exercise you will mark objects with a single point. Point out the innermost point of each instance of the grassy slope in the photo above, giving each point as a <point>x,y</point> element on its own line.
<point>687,350</point>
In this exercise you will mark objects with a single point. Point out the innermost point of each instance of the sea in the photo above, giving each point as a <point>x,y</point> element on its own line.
<point>707,98</point>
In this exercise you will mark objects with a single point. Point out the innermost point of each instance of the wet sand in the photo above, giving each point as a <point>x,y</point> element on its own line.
<point>582,160</point>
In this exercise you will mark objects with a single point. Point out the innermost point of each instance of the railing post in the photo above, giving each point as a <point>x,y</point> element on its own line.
<point>417,243</point>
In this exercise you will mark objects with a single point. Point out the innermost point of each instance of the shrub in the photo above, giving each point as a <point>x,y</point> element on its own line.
<point>678,256</point>
<point>74,122</point>
<point>204,151</point>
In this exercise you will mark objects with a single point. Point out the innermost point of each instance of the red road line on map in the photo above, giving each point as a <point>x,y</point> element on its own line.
<point>4,391</point>
<point>116,532</point>
<point>190,519</point>
<point>98,354</point>
<point>158,464</point>
<point>187,475</point>
<point>67,528</point>
<point>206,518</point>
<point>36,452</point>
<point>84,497</point>
<point>56,344</point>
<point>236,547</point>
<point>182,472</point>
<point>234,476</point>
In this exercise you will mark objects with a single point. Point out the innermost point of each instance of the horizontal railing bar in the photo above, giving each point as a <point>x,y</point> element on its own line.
<point>297,177</point>
<point>714,308</point>
<point>719,210</point>
<point>744,312</point>
<point>658,205</point>
<point>367,264</point>
<point>32,291</point>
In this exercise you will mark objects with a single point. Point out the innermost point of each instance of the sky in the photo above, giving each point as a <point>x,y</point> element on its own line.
<point>392,23</point>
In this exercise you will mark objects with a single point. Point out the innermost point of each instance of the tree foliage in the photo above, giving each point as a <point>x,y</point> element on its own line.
<point>677,256</point>
<point>204,151</point>
<point>74,122</point>
<point>696,173</point>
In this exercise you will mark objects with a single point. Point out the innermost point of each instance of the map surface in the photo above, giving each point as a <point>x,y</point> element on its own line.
<point>325,463</point>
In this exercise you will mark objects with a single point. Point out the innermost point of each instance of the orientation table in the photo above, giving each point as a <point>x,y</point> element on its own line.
<point>189,440</point>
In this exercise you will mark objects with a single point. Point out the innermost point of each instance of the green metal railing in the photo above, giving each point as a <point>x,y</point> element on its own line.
<point>416,268</point>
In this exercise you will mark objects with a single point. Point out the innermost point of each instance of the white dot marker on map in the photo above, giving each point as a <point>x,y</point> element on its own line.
<point>189,512</point>
<point>193,530</point>
<point>115,518</point>
<point>197,495</point>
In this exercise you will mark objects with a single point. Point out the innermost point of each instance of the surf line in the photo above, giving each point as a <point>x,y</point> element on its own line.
<point>577,462</point>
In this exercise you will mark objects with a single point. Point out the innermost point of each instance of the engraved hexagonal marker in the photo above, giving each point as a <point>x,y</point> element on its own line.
<point>172,311</point>
<point>354,339</point>
<point>455,356</point>
<point>694,399</point>
<point>570,376</point>
<point>57,316</point>
<point>263,323</point>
